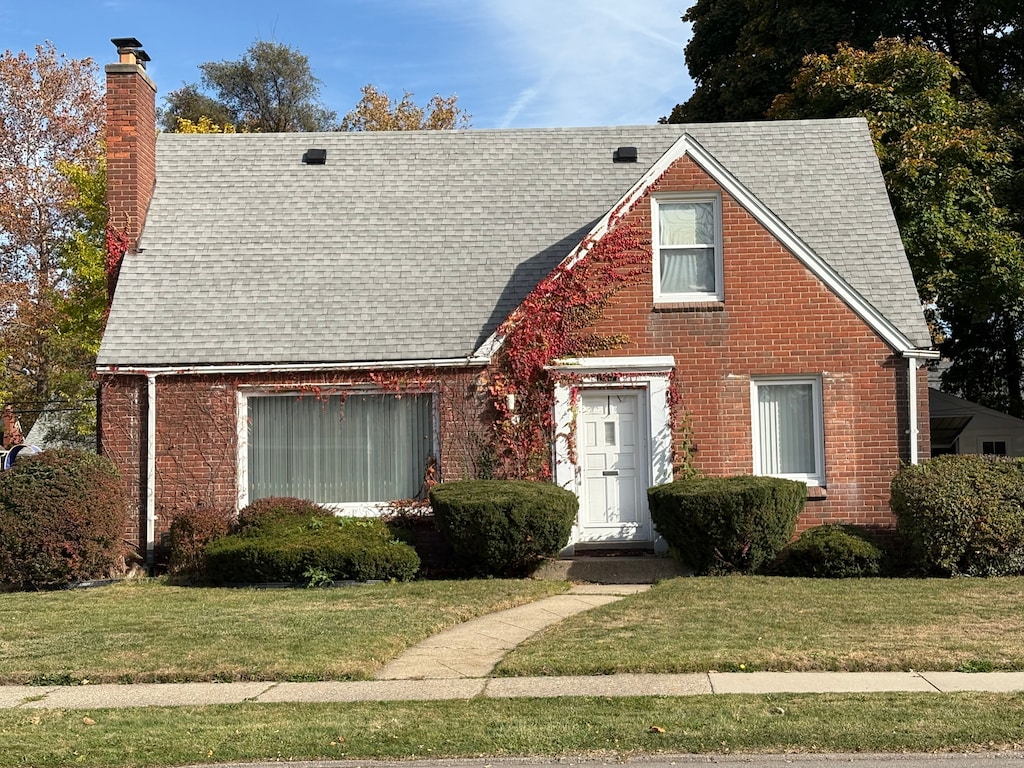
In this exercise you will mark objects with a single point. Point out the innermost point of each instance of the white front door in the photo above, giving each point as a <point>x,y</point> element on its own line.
<point>614,462</point>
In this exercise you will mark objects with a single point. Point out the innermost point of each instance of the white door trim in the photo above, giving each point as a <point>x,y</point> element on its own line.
<point>650,376</point>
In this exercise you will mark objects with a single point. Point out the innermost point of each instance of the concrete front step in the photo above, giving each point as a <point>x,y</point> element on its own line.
<point>619,569</point>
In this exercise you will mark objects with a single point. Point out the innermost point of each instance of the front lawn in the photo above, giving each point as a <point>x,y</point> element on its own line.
<point>734,623</point>
<point>609,729</point>
<point>151,632</point>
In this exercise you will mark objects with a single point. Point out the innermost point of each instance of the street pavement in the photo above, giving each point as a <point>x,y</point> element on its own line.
<point>455,664</point>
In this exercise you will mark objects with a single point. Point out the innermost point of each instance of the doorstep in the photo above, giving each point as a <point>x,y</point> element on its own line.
<point>600,568</point>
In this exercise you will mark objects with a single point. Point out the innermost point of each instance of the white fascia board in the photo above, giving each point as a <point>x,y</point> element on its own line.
<point>820,268</point>
<point>645,364</point>
<point>458,362</point>
<point>686,145</point>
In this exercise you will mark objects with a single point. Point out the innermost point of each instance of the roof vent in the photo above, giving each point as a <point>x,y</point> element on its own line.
<point>624,155</point>
<point>315,157</point>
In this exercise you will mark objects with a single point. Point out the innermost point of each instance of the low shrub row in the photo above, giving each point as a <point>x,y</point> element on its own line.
<point>63,513</point>
<point>316,550</point>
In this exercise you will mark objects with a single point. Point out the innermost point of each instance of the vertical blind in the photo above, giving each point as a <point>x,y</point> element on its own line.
<point>786,432</point>
<point>691,268</point>
<point>357,448</point>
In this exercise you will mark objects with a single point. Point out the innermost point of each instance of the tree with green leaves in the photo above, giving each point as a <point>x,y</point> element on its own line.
<point>745,52</point>
<point>51,118</point>
<point>948,166</point>
<point>271,88</point>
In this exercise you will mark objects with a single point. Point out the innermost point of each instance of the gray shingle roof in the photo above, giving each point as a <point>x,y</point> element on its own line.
<point>415,245</point>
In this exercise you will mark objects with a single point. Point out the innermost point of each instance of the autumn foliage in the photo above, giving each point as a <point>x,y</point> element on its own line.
<point>376,111</point>
<point>555,322</point>
<point>62,514</point>
<point>51,117</point>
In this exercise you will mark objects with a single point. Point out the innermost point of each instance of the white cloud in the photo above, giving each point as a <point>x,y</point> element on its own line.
<point>591,62</point>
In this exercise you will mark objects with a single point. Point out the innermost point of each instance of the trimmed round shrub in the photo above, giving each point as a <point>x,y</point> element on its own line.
<point>503,527</point>
<point>311,550</point>
<point>62,519</point>
<point>727,524</point>
<point>833,552</point>
<point>278,506</point>
<point>962,515</point>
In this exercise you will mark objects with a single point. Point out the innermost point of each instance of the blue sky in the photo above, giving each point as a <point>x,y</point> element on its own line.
<point>512,63</point>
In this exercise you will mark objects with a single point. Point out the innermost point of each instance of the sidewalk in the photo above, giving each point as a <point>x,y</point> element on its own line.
<point>703,683</point>
<point>454,665</point>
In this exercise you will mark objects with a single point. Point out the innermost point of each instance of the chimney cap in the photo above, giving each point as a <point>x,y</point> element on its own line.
<point>125,42</point>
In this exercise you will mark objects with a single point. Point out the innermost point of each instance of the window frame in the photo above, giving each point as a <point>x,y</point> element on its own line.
<point>351,508</point>
<point>663,297</point>
<point>995,438</point>
<point>815,478</point>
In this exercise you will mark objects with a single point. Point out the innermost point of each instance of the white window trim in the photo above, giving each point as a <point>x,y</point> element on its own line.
<point>661,297</point>
<point>995,437</point>
<point>817,478</point>
<point>347,509</point>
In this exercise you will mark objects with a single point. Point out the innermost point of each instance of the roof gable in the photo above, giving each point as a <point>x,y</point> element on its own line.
<point>415,246</point>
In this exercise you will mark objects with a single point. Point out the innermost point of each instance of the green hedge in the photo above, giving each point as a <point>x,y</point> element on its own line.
<point>503,527</point>
<point>962,515</point>
<point>833,552</point>
<point>62,519</point>
<point>315,549</point>
<point>727,524</point>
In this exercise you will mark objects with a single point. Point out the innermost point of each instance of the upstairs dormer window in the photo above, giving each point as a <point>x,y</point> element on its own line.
<point>687,241</point>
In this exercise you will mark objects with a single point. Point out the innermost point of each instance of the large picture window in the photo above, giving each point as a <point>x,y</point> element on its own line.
<point>687,249</point>
<point>356,448</point>
<point>787,425</point>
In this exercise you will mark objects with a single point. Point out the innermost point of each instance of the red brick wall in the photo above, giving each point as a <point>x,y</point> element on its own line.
<point>122,439</point>
<point>197,431</point>
<point>131,146</point>
<point>777,319</point>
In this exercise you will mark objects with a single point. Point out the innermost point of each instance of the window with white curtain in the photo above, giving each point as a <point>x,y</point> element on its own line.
<point>352,448</point>
<point>787,425</point>
<point>687,236</point>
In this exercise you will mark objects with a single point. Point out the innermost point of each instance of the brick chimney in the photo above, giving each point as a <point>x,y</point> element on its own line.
<point>131,151</point>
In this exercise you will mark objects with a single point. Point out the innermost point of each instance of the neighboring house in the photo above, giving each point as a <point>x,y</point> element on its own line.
<point>317,314</point>
<point>960,426</point>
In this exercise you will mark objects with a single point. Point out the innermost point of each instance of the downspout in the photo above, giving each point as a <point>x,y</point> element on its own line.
<point>150,470</point>
<point>912,364</point>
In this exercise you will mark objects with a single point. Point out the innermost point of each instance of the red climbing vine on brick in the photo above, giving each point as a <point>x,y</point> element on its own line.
<point>556,321</point>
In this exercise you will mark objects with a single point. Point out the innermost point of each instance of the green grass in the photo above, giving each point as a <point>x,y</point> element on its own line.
<point>151,632</point>
<point>556,727</point>
<point>701,624</point>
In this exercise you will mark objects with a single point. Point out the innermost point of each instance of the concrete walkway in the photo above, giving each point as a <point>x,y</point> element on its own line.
<point>454,665</point>
<point>474,648</point>
<point>703,683</point>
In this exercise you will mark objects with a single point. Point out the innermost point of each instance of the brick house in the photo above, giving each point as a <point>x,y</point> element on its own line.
<point>318,315</point>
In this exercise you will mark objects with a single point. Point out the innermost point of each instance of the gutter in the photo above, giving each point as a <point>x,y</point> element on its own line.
<point>245,368</point>
<point>914,358</point>
<point>150,471</point>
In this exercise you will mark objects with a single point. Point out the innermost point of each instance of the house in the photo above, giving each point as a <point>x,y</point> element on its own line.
<point>331,315</point>
<point>961,426</point>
